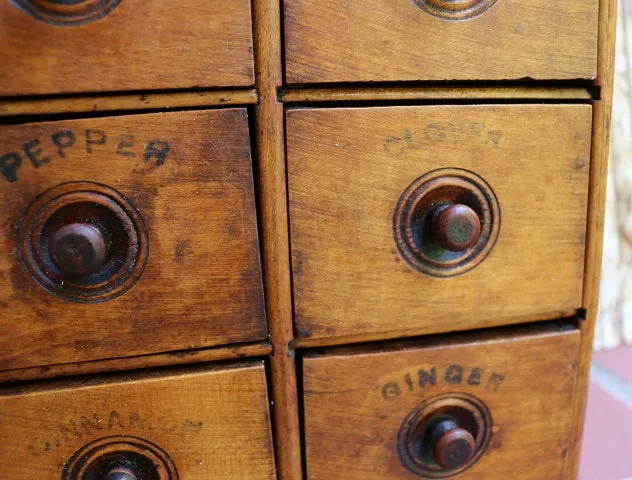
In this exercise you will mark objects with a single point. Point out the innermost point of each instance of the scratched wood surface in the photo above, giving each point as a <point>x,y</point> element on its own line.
<point>346,171</point>
<point>141,45</point>
<point>43,426</point>
<point>202,283</point>
<point>383,40</point>
<point>356,400</point>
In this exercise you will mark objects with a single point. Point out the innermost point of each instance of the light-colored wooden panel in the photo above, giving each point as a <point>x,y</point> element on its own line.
<point>141,45</point>
<point>347,169</point>
<point>187,415</point>
<point>385,40</point>
<point>356,401</point>
<point>201,285</point>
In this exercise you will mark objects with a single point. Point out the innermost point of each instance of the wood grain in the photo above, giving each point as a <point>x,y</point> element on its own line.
<point>346,171</point>
<point>181,357</point>
<point>109,103</point>
<point>45,425</point>
<point>596,214</point>
<point>356,401</point>
<point>270,131</point>
<point>367,94</point>
<point>142,45</point>
<point>202,283</point>
<point>382,40</point>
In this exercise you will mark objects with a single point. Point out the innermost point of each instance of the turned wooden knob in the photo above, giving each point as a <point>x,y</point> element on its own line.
<point>453,446</point>
<point>120,473</point>
<point>456,227</point>
<point>78,248</point>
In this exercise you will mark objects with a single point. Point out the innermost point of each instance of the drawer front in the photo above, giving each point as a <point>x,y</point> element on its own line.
<point>358,180</point>
<point>408,40</point>
<point>127,235</point>
<point>155,427</point>
<point>479,407</point>
<point>112,45</point>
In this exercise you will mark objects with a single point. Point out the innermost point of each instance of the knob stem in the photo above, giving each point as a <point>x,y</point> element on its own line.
<point>120,473</point>
<point>453,446</point>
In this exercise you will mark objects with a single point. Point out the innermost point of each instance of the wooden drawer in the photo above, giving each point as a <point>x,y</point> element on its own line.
<point>408,40</point>
<point>375,414</point>
<point>127,235</point>
<point>356,178</point>
<point>154,425</point>
<point>112,45</point>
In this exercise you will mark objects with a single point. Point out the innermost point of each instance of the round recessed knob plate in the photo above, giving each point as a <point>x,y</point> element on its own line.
<point>455,9</point>
<point>444,436</point>
<point>446,222</point>
<point>83,242</point>
<point>67,12</point>
<point>456,227</point>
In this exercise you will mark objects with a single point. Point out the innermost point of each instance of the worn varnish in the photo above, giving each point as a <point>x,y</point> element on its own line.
<point>43,426</point>
<point>382,40</point>
<point>139,45</point>
<point>348,168</point>
<point>189,177</point>
<point>356,401</point>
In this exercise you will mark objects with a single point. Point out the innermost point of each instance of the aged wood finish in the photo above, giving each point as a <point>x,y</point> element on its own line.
<point>411,94</point>
<point>126,102</point>
<point>181,357</point>
<point>139,45</point>
<point>382,40</point>
<point>201,285</point>
<point>356,400</point>
<point>596,209</point>
<point>276,252</point>
<point>347,169</point>
<point>43,426</point>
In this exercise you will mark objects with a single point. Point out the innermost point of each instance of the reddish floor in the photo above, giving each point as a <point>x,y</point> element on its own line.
<point>607,444</point>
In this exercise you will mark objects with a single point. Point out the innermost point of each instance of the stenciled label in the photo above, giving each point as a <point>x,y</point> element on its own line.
<point>110,423</point>
<point>49,150</point>
<point>455,374</point>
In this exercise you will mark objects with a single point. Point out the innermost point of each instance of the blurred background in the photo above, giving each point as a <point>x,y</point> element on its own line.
<point>607,443</point>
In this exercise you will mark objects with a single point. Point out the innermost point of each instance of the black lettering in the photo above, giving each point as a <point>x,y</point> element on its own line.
<point>158,150</point>
<point>115,420</point>
<point>475,376</point>
<point>89,425</point>
<point>62,140</point>
<point>454,374</point>
<point>494,381</point>
<point>391,390</point>
<point>193,425</point>
<point>127,141</point>
<point>95,137</point>
<point>68,433</point>
<point>136,421</point>
<point>427,377</point>
<point>409,381</point>
<point>9,165</point>
<point>435,132</point>
<point>32,150</point>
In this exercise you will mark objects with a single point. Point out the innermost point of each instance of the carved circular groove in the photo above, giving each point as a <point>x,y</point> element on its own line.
<point>444,435</point>
<point>446,222</point>
<point>83,242</point>
<point>120,458</point>
<point>67,12</point>
<point>455,9</point>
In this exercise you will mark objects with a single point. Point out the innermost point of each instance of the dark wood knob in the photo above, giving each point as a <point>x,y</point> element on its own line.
<point>78,248</point>
<point>453,446</point>
<point>120,473</point>
<point>456,227</point>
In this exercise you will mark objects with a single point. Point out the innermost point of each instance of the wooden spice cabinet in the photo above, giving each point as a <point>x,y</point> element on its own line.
<point>291,239</point>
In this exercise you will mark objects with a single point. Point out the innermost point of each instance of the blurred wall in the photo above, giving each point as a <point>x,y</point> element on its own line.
<point>614,325</point>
